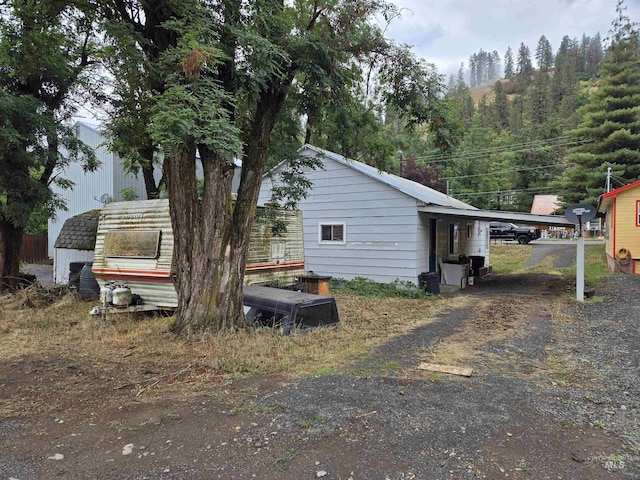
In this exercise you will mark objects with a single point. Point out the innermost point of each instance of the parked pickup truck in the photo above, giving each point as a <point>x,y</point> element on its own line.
<point>509,231</point>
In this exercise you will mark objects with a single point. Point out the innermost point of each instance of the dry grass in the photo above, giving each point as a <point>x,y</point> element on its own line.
<point>493,320</point>
<point>139,356</point>
<point>546,266</point>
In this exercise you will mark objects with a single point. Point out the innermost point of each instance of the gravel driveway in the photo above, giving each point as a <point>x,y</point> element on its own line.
<point>554,395</point>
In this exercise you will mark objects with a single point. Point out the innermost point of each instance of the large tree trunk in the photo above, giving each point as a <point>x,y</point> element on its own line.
<point>209,259</point>
<point>211,236</point>
<point>10,244</point>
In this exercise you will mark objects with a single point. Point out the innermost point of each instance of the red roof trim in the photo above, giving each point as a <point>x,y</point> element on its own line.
<point>614,193</point>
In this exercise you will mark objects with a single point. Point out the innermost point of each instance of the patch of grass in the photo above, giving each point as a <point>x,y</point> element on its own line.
<point>509,258</point>
<point>311,423</point>
<point>392,366</point>
<point>368,288</point>
<point>285,457</point>
<point>595,265</point>
<point>326,370</point>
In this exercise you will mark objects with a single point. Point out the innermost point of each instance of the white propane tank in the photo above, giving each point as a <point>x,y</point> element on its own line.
<point>121,296</point>
<point>106,295</point>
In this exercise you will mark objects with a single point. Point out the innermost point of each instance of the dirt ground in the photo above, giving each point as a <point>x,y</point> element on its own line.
<point>553,395</point>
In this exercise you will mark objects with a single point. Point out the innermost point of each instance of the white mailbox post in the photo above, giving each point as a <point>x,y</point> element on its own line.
<point>579,215</point>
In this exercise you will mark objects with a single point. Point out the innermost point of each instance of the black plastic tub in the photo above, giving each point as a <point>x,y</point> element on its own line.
<point>289,310</point>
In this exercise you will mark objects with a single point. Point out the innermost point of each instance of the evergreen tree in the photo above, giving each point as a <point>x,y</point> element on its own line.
<point>544,54</point>
<point>509,70</point>
<point>497,64</point>
<point>539,102</point>
<point>523,62</point>
<point>611,120</point>
<point>461,83</point>
<point>563,88</point>
<point>594,55</point>
<point>500,107</point>
<point>473,70</point>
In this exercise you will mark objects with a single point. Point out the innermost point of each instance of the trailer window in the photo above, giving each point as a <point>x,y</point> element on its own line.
<point>132,243</point>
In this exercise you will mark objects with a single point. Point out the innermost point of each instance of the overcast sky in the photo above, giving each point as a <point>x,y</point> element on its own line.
<point>447,32</point>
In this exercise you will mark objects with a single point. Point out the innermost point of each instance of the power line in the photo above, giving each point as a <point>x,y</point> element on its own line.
<point>507,171</point>
<point>509,192</point>
<point>513,148</point>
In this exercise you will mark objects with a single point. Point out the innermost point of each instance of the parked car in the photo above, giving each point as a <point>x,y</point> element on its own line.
<point>510,231</point>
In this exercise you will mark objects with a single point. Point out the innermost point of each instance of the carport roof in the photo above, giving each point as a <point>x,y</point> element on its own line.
<point>498,216</point>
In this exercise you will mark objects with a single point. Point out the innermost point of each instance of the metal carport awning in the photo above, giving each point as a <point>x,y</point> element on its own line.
<point>498,216</point>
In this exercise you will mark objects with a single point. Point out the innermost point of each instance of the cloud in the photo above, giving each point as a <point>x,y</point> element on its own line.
<point>421,37</point>
<point>447,33</point>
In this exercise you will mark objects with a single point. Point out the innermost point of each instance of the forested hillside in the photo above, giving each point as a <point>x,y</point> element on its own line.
<point>517,129</point>
<point>542,120</point>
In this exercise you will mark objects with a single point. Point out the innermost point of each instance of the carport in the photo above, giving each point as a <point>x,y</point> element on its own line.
<point>476,248</point>
<point>498,216</point>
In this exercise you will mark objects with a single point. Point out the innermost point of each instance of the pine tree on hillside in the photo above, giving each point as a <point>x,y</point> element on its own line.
<point>611,120</point>
<point>523,62</point>
<point>594,55</point>
<point>565,78</point>
<point>544,54</point>
<point>508,64</point>
<point>500,107</point>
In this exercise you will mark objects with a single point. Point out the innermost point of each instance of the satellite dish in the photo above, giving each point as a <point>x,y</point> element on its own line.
<point>104,198</point>
<point>580,213</point>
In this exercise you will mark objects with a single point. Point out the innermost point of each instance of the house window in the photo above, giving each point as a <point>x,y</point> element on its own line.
<point>332,233</point>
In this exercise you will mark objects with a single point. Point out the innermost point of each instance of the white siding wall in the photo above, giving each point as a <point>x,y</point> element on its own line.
<point>63,257</point>
<point>478,244</point>
<point>422,244</point>
<point>381,226</point>
<point>122,180</point>
<point>89,187</point>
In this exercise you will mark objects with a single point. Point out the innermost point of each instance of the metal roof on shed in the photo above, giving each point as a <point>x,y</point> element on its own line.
<point>416,190</point>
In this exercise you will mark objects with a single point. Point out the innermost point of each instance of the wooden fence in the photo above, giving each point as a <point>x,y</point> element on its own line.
<point>34,248</point>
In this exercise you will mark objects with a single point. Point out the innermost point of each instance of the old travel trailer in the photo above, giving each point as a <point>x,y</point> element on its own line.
<point>134,248</point>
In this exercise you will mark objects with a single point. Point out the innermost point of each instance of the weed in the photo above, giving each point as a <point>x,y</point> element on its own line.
<point>521,465</point>
<point>599,424</point>
<point>278,406</point>
<point>368,288</point>
<point>118,426</point>
<point>283,460</point>
<point>310,423</point>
